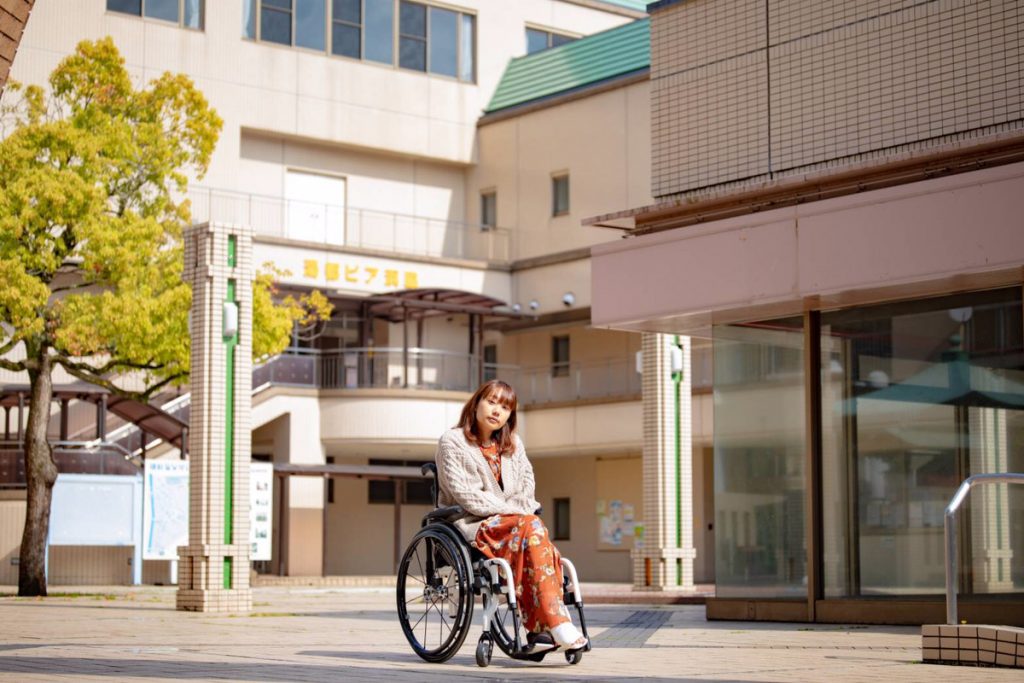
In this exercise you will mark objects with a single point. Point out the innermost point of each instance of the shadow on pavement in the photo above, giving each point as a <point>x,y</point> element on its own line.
<point>268,671</point>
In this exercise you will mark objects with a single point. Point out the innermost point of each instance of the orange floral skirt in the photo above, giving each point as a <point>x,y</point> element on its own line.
<point>523,542</point>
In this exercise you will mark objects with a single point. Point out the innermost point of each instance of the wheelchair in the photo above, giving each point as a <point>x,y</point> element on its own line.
<point>440,576</point>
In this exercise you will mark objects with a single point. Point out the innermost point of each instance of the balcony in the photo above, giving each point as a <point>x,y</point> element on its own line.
<point>420,369</point>
<point>345,226</point>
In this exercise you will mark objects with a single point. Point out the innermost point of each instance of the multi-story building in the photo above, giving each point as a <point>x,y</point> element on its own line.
<point>411,161</point>
<point>838,209</point>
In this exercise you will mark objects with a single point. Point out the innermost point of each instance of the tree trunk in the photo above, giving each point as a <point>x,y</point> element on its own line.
<point>40,476</point>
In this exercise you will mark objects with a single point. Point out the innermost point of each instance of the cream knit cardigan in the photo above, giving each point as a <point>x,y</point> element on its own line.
<point>464,478</point>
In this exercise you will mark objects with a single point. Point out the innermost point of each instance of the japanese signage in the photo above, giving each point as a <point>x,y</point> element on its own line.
<point>338,271</point>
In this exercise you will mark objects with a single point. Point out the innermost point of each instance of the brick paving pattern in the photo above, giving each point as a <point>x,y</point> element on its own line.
<point>351,633</point>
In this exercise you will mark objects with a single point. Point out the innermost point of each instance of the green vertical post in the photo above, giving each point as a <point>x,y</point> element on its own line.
<point>229,419</point>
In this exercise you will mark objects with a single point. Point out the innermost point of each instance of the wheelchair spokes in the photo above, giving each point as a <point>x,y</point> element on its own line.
<point>435,598</point>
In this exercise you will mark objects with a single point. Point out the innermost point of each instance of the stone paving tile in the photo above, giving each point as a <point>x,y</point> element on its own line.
<point>352,634</point>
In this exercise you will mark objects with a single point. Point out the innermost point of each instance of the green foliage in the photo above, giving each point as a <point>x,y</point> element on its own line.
<point>91,217</point>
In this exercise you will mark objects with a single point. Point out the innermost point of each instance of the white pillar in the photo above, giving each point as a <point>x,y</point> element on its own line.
<point>664,560</point>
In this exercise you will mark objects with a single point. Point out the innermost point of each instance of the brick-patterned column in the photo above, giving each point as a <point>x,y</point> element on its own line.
<point>991,547</point>
<point>664,561</point>
<point>213,574</point>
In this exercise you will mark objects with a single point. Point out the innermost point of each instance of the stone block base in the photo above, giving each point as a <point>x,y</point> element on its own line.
<point>973,645</point>
<point>663,569</point>
<point>214,578</point>
<point>236,600</point>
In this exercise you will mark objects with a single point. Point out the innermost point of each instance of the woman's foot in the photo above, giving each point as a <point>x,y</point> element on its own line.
<point>538,642</point>
<point>568,636</point>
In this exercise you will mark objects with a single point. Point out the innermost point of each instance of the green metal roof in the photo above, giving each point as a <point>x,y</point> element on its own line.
<point>582,62</point>
<point>638,5</point>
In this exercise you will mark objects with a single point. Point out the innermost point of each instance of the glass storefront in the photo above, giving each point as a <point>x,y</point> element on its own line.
<point>916,396</point>
<point>760,549</point>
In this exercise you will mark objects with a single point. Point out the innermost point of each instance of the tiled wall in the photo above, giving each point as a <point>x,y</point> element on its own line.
<point>13,15</point>
<point>745,89</point>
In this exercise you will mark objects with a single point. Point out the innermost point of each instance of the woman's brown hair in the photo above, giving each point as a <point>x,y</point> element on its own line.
<point>506,396</point>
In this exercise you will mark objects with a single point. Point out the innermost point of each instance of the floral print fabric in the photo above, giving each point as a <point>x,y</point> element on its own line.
<point>523,542</point>
<point>493,459</point>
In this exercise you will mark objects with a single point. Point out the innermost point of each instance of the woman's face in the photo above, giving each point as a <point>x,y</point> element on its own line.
<point>491,414</point>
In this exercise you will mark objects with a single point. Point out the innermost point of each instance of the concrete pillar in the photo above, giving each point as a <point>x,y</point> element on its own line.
<point>295,430</point>
<point>664,559</point>
<point>991,547</point>
<point>213,573</point>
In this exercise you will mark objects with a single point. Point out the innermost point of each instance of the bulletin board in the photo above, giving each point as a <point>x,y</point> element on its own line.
<point>619,503</point>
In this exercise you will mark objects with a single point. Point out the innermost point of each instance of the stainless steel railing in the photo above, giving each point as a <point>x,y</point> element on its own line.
<point>354,227</point>
<point>950,530</point>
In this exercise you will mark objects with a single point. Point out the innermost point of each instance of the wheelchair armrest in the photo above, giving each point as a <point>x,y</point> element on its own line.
<point>446,514</point>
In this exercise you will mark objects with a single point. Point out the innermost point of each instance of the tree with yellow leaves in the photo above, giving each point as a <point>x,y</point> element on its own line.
<point>91,175</point>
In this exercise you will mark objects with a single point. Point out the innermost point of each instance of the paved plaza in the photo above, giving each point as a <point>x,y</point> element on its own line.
<point>351,634</point>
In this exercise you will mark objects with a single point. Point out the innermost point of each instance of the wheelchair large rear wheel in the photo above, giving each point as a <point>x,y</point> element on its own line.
<point>435,595</point>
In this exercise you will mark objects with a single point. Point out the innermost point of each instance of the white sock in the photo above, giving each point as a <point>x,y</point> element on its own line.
<point>566,634</point>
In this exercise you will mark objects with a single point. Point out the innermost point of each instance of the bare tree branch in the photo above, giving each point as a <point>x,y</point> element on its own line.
<point>79,370</point>
<point>13,366</point>
<point>109,366</point>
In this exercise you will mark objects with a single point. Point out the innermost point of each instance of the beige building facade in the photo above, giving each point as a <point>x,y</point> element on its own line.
<point>446,229</point>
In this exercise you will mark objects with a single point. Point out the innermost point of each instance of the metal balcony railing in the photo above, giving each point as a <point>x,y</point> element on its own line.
<point>950,531</point>
<point>388,367</point>
<point>75,457</point>
<point>575,381</point>
<point>371,368</point>
<point>352,227</point>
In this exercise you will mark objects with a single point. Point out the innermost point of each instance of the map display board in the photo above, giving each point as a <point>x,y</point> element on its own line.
<point>165,509</point>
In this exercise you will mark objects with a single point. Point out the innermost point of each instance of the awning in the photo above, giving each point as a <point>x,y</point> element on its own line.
<point>422,303</point>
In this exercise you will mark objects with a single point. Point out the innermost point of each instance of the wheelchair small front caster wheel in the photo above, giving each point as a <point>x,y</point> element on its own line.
<point>484,649</point>
<point>574,656</point>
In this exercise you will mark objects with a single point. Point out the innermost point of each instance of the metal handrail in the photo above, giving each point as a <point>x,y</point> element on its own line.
<point>950,530</point>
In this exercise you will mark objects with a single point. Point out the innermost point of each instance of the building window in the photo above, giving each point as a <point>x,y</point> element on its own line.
<point>561,529</point>
<point>412,36</point>
<point>379,31</point>
<point>490,362</point>
<point>560,195</point>
<point>538,39</point>
<point>347,28</point>
<point>330,482</point>
<point>489,209</point>
<point>417,492</point>
<point>187,13</point>
<point>430,39</point>
<point>560,356</point>
<point>276,21</point>
<point>310,29</point>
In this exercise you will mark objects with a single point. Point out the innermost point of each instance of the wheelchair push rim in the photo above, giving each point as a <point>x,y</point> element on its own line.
<point>434,596</point>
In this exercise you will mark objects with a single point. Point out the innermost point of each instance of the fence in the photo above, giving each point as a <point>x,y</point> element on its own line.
<point>354,227</point>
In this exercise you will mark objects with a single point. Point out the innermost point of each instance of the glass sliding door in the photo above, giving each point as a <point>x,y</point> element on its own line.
<point>759,438</point>
<point>916,396</point>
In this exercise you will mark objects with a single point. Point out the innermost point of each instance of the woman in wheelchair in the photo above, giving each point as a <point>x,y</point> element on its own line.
<point>484,538</point>
<point>482,466</point>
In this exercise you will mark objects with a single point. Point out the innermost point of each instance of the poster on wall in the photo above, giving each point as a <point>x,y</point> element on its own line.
<point>261,500</point>
<point>165,509</point>
<point>617,522</point>
<point>619,494</point>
